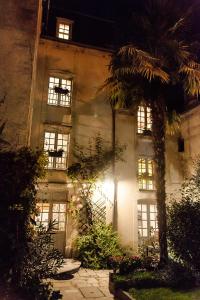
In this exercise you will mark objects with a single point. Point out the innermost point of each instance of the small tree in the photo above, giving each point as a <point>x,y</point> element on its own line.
<point>184,222</point>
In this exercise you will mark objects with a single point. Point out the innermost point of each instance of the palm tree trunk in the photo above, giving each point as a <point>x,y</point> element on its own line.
<point>158,132</point>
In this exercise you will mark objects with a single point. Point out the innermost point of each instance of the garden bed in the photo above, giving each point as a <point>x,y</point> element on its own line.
<point>164,294</point>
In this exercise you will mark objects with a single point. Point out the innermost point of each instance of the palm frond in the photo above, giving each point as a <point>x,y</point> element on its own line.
<point>173,123</point>
<point>138,62</point>
<point>179,24</point>
<point>191,73</point>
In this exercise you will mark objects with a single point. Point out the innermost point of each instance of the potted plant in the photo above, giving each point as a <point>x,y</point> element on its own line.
<point>60,90</point>
<point>56,153</point>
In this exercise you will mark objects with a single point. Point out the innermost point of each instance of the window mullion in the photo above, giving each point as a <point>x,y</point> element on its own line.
<point>55,148</point>
<point>59,95</point>
<point>145,117</point>
<point>148,220</point>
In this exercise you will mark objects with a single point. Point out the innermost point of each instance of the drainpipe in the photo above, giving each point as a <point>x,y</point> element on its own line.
<point>115,213</point>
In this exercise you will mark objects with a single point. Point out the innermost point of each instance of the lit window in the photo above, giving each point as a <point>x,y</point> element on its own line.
<point>59,215</point>
<point>52,212</point>
<point>144,121</point>
<point>60,91</point>
<point>57,146</point>
<point>147,220</point>
<point>63,31</point>
<point>145,174</point>
<point>43,216</point>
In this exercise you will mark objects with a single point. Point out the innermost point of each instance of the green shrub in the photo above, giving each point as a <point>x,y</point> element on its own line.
<point>176,275</point>
<point>42,259</point>
<point>129,264</point>
<point>184,222</point>
<point>95,247</point>
<point>147,280</point>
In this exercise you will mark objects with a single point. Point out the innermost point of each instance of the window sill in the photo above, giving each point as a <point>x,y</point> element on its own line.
<point>145,136</point>
<point>145,190</point>
<point>55,169</point>
<point>60,106</point>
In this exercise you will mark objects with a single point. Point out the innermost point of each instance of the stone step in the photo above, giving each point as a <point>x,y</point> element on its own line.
<point>70,266</point>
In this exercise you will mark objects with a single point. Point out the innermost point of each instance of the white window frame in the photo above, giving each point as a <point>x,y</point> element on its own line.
<point>64,33</point>
<point>146,174</point>
<point>59,99</point>
<point>144,120</point>
<point>54,141</point>
<point>57,215</point>
<point>147,217</point>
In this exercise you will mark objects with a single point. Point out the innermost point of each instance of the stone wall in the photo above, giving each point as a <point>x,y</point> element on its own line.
<point>19,31</point>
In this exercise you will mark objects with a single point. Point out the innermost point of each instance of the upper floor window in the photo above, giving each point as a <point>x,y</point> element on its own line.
<point>145,174</point>
<point>64,29</point>
<point>60,91</point>
<point>144,121</point>
<point>57,147</point>
<point>147,219</point>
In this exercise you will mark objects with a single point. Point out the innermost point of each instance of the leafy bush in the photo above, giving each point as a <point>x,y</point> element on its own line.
<point>184,223</point>
<point>26,256</point>
<point>95,247</point>
<point>41,261</point>
<point>176,275</point>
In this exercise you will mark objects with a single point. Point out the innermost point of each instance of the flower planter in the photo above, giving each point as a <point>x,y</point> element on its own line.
<point>55,153</point>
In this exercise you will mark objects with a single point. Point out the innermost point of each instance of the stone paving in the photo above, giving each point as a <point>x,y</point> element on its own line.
<point>85,284</point>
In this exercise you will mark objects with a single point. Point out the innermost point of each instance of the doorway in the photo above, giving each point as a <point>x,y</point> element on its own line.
<point>56,212</point>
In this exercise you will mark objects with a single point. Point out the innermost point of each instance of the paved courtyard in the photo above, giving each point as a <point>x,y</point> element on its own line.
<point>85,284</point>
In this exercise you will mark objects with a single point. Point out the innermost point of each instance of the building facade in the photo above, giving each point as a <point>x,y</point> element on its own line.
<point>56,99</point>
<point>70,106</point>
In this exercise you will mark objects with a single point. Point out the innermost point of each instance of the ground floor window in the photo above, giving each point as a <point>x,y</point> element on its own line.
<point>147,219</point>
<point>52,212</point>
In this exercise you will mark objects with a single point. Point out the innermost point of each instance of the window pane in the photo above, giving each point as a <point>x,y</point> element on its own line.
<point>49,144</point>
<point>65,99</point>
<point>52,95</point>
<point>62,143</point>
<point>144,232</point>
<point>147,220</point>
<point>59,215</point>
<point>63,31</point>
<point>43,217</point>
<point>144,120</point>
<point>145,174</point>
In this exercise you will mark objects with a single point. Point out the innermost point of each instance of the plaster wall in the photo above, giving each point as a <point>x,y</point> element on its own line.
<point>191,133</point>
<point>19,31</point>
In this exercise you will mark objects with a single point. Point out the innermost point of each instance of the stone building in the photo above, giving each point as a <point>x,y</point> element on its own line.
<point>20,30</point>
<point>58,96</point>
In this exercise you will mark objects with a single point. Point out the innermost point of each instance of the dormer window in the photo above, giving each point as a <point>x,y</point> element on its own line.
<point>64,29</point>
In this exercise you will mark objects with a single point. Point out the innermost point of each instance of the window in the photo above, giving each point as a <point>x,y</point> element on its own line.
<point>145,174</point>
<point>43,216</point>
<point>147,220</point>
<point>57,146</point>
<point>60,91</point>
<point>64,29</point>
<point>52,212</point>
<point>58,215</point>
<point>144,122</point>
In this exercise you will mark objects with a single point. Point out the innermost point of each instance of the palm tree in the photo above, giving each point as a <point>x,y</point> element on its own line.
<point>158,63</point>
